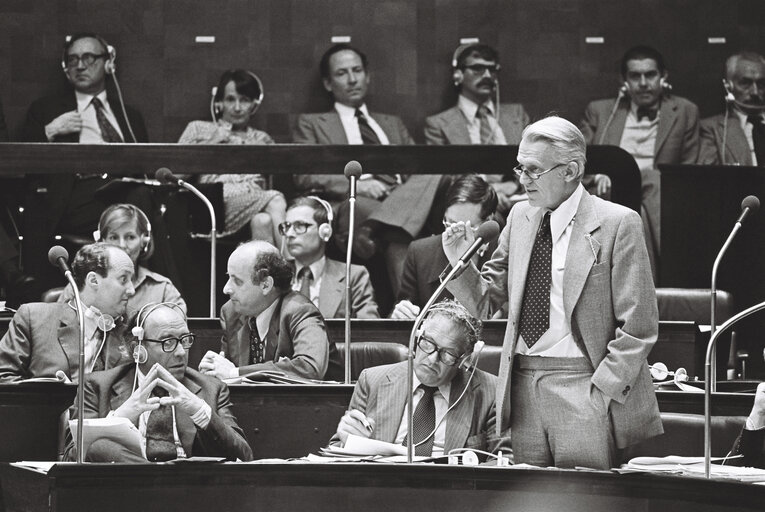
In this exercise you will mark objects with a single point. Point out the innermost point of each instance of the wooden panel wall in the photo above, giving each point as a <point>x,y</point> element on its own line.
<point>546,64</point>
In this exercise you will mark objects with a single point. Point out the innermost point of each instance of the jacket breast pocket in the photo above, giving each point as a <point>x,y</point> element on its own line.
<point>477,441</point>
<point>602,268</point>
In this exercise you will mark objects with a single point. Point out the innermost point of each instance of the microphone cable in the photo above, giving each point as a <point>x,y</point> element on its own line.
<point>620,95</point>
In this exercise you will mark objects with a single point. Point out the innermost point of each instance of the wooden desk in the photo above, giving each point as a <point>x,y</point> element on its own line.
<point>367,487</point>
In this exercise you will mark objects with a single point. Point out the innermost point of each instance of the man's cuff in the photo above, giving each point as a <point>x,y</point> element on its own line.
<point>754,423</point>
<point>201,418</point>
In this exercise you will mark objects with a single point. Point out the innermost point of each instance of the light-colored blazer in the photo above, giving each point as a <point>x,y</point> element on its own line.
<point>677,139</point>
<point>381,395</point>
<point>332,292</point>
<point>326,128</point>
<point>449,126</point>
<point>608,294</point>
<point>44,338</point>
<point>737,150</point>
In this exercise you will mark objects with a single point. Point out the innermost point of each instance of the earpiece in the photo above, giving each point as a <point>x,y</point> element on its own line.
<point>325,229</point>
<point>110,65</point>
<point>729,97</point>
<point>666,87</point>
<point>137,212</point>
<point>216,104</point>
<point>140,355</point>
<point>624,89</point>
<point>457,75</point>
<point>472,360</point>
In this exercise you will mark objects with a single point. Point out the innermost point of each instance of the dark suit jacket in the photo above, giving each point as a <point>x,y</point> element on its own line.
<point>296,342</point>
<point>381,395</point>
<point>449,126</point>
<point>332,292</point>
<point>44,338</point>
<point>425,260</point>
<point>737,150</point>
<point>751,444</point>
<point>326,128</point>
<point>107,391</point>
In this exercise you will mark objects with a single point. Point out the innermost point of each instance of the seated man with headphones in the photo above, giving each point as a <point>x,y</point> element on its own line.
<point>43,338</point>
<point>306,232</point>
<point>453,400</point>
<point>179,412</point>
<point>651,124</point>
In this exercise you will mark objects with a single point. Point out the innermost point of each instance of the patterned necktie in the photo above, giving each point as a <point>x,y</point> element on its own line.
<point>535,309</point>
<point>487,134</point>
<point>758,138</point>
<point>306,278</point>
<point>424,421</point>
<point>108,133</point>
<point>160,442</point>
<point>257,347</point>
<point>369,136</point>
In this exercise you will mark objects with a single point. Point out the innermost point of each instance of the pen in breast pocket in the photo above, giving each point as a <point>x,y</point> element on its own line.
<point>594,246</point>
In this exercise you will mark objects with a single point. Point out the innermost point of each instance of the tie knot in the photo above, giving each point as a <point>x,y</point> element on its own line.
<point>97,103</point>
<point>546,220</point>
<point>360,115</point>
<point>427,390</point>
<point>305,273</point>
<point>483,111</point>
<point>650,113</point>
<point>252,324</point>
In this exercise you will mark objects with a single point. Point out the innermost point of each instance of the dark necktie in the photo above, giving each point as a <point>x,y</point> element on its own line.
<point>650,113</point>
<point>487,134</point>
<point>758,138</point>
<point>424,421</point>
<point>535,309</point>
<point>100,358</point>
<point>257,347</point>
<point>369,137</point>
<point>160,442</point>
<point>108,133</point>
<point>306,278</point>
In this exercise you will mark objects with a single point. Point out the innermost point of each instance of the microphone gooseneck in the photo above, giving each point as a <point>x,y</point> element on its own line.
<point>352,171</point>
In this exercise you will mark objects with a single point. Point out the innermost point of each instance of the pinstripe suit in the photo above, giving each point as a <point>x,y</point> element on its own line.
<point>381,395</point>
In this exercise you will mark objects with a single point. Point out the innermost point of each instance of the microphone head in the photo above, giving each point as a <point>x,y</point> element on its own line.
<point>164,175</point>
<point>488,231</point>
<point>352,168</point>
<point>752,203</point>
<point>55,253</point>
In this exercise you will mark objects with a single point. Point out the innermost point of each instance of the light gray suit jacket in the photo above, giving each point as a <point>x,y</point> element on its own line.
<point>737,150</point>
<point>381,395</point>
<point>608,295</point>
<point>332,292</point>
<point>449,126</point>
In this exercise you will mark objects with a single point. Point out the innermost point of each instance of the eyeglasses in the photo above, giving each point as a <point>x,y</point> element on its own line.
<point>519,171</point>
<point>88,59</point>
<point>481,69</point>
<point>170,344</point>
<point>444,356</point>
<point>298,226</point>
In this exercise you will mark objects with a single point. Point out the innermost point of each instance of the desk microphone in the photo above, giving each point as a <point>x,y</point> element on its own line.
<point>165,175</point>
<point>59,257</point>
<point>352,171</point>
<point>750,205</point>
<point>485,233</point>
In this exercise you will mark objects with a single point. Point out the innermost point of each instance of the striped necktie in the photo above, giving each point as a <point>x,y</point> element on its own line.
<point>487,133</point>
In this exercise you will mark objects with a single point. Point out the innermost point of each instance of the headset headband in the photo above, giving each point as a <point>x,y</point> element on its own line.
<point>326,205</point>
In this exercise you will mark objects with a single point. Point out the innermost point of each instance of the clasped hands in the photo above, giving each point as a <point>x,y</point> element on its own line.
<point>355,422</point>
<point>217,365</point>
<point>141,400</point>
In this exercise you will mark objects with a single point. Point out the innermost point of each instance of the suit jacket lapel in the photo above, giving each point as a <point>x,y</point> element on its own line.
<point>667,118</point>
<point>391,400</point>
<point>582,250</point>
<point>455,126</point>
<point>120,120</point>
<point>187,431</point>
<point>332,127</point>
<point>459,419</point>
<point>332,291</point>
<point>68,338</point>
<point>272,338</point>
<point>735,142</point>
<point>122,389</point>
<point>616,128</point>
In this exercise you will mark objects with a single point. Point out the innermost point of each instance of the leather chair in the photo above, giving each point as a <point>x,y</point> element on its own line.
<point>491,355</point>
<point>693,304</point>
<point>370,353</point>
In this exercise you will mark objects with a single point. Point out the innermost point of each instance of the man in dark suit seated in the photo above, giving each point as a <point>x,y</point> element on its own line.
<point>751,442</point>
<point>469,199</point>
<point>43,338</point>
<point>88,113</point>
<point>737,137</point>
<point>178,411</point>
<point>306,232</point>
<point>453,407</point>
<point>267,326</point>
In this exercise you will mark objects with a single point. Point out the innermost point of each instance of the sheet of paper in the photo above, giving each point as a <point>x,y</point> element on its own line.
<point>115,428</point>
<point>358,445</point>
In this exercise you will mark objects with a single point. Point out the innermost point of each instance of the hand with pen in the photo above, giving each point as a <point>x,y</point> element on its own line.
<point>355,422</point>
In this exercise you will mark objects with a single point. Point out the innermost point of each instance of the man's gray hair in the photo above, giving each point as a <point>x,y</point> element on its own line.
<point>471,327</point>
<point>732,62</point>
<point>562,135</point>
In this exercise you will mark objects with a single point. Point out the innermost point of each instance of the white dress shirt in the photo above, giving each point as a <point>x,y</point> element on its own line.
<point>91,132</point>
<point>558,341</point>
<point>317,269</point>
<point>469,109</point>
<point>351,126</point>
<point>441,401</point>
<point>639,138</point>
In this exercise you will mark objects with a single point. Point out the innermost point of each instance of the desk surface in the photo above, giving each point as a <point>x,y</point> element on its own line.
<point>369,487</point>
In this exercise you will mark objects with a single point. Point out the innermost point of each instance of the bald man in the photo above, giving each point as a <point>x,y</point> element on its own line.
<point>266,325</point>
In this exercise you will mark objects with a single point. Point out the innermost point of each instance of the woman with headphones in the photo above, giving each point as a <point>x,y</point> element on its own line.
<point>127,226</point>
<point>234,102</point>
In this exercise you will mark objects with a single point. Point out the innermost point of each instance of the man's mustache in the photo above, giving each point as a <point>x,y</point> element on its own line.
<point>486,81</point>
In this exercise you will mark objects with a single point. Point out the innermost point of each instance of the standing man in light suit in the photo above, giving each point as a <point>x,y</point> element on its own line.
<point>574,384</point>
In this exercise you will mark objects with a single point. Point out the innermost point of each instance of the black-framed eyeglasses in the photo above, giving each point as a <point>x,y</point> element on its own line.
<point>299,227</point>
<point>481,69</point>
<point>170,344</point>
<point>519,171</point>
<point>444,355</point>
<point>88,59</point>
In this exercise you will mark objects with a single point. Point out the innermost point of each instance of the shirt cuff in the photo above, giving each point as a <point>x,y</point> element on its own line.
<point>751,424</point>
<point>201,418</point>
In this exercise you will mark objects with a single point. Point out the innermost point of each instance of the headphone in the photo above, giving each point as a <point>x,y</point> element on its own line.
<point>457,73</point>
<point>325,229</point>
<point>110,66</point>
<point>729,97</point>
<point>666,88</point>
<point>137,212</point>
<point>139,352</point>
<point>216,107</point>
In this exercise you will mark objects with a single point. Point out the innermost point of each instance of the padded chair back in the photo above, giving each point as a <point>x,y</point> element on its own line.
<point>693,304</point>
<point>491,355</point>
<point>618,165</point>
<point>371,353</point>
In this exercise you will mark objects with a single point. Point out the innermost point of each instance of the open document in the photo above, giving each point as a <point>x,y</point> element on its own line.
<point>115,428</point>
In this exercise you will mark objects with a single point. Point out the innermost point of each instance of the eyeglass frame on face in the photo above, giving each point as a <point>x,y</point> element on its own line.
<point>177,339</point>
<point>520,171</point>
<point>438,349</point>
<point>481,69</point>
<point>285,226</point>
<point>72,60</point>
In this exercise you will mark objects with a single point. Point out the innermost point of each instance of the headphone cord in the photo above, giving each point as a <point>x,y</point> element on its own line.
<point>122,106</point>
<point>725,133</point>
<point>619,98</point>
